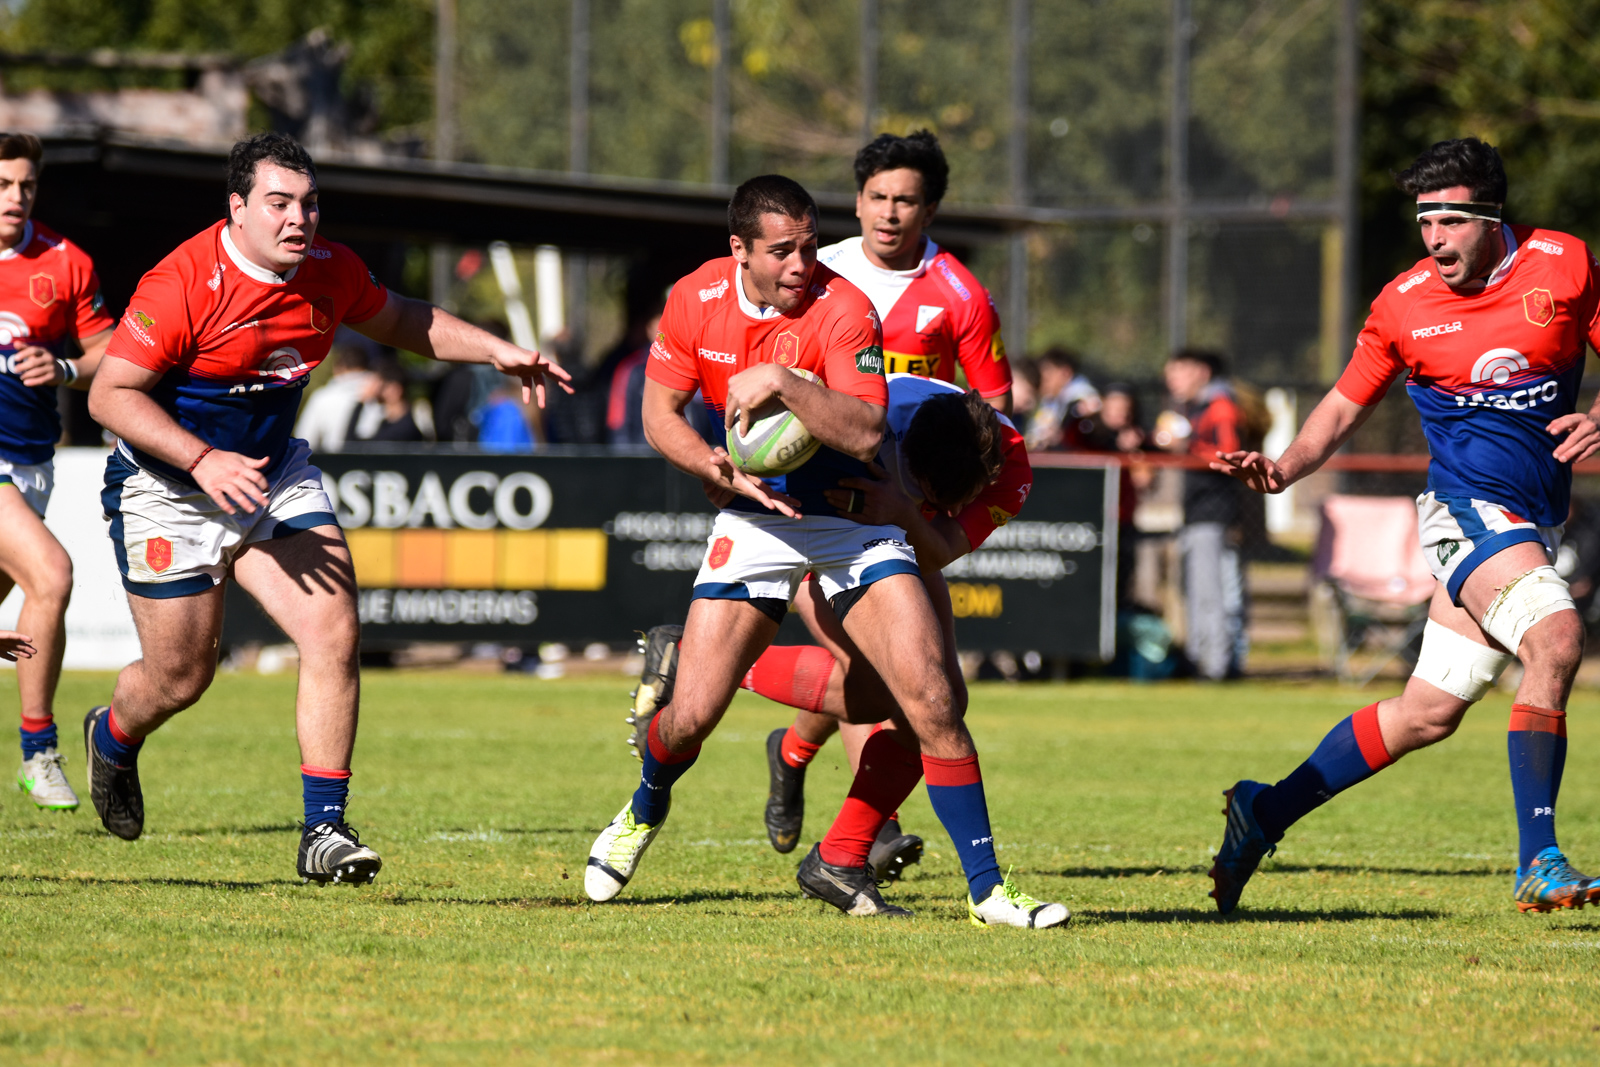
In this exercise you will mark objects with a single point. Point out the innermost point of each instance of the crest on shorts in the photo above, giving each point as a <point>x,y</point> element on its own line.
<point>322,314</point>
<point>721,549</point>
<point>786,349</point>
<point>42,289</point>
<point>1539,306</point>
<point>158,554</point>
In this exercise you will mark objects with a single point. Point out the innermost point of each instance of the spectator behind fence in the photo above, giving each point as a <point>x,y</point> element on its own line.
<point>1115,428</point>
<point>625,406</point>
<point>325,418</point>
<point>1024,392</point>
<point>386,413</point>
<point>1205,419</point>
<point>1065,396</point>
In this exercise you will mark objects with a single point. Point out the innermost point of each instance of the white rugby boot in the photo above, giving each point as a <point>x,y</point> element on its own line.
<point>615,854</point>
<point>1006,905</point>
<point>42,779</point>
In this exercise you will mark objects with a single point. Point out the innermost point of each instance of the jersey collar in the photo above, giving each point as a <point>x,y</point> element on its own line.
<point>1502,268</point>
<point>17,249</point>
<point>745,303</point>
<point>260,274</point>
<point>929,250</point>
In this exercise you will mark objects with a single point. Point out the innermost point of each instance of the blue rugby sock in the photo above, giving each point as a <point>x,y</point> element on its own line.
<point>116,747</point>
<point>326,793</point>
<point>37,736</point>
<point>1352,752</point>
<point>662,767</point>
<point>1537,745</point>
<point>955,789</point>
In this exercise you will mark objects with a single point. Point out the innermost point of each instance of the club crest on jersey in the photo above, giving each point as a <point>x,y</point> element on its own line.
<point>926,314</point>
<point>786,349</point>
<point>42,289</point>
<point>322,314</point>
<point>721,549</point>
<point>1539,306</point>
<point>158,554</point>
<point>999,516</point>
<point>1498,365</point>
<point>12,328</point>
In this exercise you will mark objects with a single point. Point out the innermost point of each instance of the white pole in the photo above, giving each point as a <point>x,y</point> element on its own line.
<point>517,317</point>
<point>547,291</point>
<point>1280,506</point>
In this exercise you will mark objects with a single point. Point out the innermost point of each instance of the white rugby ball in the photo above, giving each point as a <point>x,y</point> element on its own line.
<point>776,443</point>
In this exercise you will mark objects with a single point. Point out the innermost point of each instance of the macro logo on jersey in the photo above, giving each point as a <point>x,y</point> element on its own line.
<point>285,364</point>
<point>158,554</point>
<point>1498,365</point>
<point>11,328</point>
<point>42,289</point>
<point>322,313</point>
<point>786,349</point>
<point>1539,306</point>
<point>721,549</point>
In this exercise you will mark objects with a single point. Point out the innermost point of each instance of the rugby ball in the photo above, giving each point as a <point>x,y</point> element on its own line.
<point>776,443</point>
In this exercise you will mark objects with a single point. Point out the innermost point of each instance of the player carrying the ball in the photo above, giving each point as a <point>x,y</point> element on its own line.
<point>1490,330</point>
<point>201,384</point>
<point>733,329</point>
<point>49,297</point>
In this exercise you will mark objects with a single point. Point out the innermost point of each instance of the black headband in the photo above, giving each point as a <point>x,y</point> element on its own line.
<point>1470,210</point>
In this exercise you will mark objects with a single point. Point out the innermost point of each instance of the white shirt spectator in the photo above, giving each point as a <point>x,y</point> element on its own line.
<point>326,415</point>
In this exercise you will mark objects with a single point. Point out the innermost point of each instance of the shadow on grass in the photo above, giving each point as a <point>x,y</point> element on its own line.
<point>1253,915</point>
<point>180,883</point>
<point>624,905</point>
<point>520,830</point>
<point>1274,867</point>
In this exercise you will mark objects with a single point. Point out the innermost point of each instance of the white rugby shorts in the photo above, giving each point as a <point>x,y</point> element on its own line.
<point>1458,535</point>
<point>751,556</point>
<point>33,480</point>
<point>172,540</point>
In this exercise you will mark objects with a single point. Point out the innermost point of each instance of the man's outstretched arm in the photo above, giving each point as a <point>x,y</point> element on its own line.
<point>1329,425</point>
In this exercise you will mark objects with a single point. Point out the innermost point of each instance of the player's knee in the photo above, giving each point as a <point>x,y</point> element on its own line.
<point>50,583</point>
<point>1555,644</point>
<point>181,685</point>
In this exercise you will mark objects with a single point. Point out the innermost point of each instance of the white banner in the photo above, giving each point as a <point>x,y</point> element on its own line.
<point>100,633</point>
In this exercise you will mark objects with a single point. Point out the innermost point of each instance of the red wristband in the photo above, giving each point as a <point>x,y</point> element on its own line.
<point>204,452</point>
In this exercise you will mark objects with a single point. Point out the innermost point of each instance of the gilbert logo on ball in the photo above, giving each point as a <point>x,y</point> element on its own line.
<point>776,443</point>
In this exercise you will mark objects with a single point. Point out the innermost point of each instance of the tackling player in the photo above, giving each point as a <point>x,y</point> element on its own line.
<point>1490,330</point>
<point>201,384</point>
<point>936,317</point>
<point>733,329</point>
<point>48,295</point>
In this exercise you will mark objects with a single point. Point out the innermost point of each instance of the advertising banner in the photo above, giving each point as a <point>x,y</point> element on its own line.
<point>523,549</point>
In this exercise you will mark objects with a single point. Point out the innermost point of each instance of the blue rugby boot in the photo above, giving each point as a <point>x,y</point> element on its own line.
<point>1550,883</point>
<point>1244,846</point>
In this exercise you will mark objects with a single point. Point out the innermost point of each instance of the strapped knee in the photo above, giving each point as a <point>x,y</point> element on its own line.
<point>1523,602</point>
<point>1456,664</point>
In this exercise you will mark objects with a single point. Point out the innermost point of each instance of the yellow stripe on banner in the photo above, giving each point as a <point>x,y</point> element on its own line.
<point>479,559</point>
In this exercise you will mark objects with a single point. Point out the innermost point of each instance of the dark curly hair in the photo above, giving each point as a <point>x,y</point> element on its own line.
<point>919,151</point>
<point>277,148</point>
<point>954,446</point>
<point>1467,162</point>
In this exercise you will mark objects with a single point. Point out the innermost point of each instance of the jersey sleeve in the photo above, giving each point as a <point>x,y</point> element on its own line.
<point>1003,498</point>
<point>367,294</point>
<point>673,361</point>
<point>156,331</point>
<point>1375,363</point>
<point>1591,295</point>
<point>981,352</point>
<point>89,315</point>
<point>852,348</point>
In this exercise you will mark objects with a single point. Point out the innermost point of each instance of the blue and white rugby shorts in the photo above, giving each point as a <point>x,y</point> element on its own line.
<point>751,556</point>
<point>33,480</point>
<point>1458,535</point>
<point>172,540</point>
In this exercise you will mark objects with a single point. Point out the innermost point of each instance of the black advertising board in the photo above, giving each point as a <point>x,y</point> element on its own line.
<point>579,548</point>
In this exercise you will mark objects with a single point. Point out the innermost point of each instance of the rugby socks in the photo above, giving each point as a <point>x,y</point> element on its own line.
<point>662,767</point>
<point>326,792</point>
<point>1352,752</point>
<point>886,776</point>
<point>955,788</point>
<point>37,736</point>
<point>797,752</point>
<point>1537,744</point>
<point>115,747</point>
<point>796,675</point>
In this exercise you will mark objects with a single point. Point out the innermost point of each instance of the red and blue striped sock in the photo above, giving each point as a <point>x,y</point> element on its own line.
<point>662,767</point>
<point>326,792</point>
<point>37,735</point>
<point>1352,752</point>
<point>116,747</point>
<point>955,788</point>
<point>1537,744</point>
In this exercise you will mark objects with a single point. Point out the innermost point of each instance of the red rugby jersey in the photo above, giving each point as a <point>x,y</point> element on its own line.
<point>235,342</point>
<point>48,292</point>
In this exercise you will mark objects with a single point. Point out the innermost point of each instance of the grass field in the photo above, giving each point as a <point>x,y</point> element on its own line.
<point>1382,932</point>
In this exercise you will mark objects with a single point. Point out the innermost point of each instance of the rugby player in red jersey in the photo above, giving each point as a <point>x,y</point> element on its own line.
<point>201,384</point>
<point>1490,330</point>
<point>937,319</point>
<point>733,330</point>
<point>49,297</point>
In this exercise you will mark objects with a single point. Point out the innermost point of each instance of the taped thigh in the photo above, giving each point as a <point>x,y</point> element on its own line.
<point>1458,665</point>
<point>1525,601</point>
